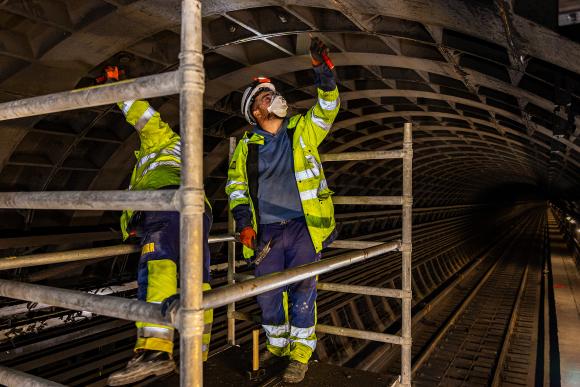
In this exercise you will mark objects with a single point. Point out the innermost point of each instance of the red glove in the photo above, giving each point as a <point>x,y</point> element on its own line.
<point>248,237</point>
<point>319,53</point>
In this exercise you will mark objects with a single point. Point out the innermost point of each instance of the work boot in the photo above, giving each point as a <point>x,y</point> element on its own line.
<point>143,365</point>
<point>295,372</point>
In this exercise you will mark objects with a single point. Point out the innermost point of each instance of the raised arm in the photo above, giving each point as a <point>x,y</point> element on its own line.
<point>323,113</point>
<point>153,131</point>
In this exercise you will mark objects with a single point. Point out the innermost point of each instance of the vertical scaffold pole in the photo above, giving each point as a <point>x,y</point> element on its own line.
<point>406,249</point>
<point>191,195</point>
<point>231,262</point>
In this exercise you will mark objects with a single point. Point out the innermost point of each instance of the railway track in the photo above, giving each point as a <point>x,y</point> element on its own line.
<point>484,331</point>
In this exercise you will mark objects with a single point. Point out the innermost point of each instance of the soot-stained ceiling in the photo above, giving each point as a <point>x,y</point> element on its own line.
<point>486,90</point>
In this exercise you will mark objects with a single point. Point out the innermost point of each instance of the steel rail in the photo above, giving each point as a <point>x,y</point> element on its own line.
<point>139,88</point>
<point>511,325</point>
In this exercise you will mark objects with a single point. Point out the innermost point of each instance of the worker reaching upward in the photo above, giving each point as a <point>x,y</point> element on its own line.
<point>158,167</point>
<point>281,201</point>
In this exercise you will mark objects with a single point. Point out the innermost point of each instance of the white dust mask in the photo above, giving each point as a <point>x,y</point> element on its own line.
<point>278,106</point>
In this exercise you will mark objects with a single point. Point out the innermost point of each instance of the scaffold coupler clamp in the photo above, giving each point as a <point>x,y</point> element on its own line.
<point>406,247</point>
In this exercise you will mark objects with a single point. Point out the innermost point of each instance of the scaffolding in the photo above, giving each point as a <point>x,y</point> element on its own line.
<point>189,82</point>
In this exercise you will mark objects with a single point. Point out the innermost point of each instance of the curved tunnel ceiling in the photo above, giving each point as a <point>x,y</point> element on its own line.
<point>482,99</point>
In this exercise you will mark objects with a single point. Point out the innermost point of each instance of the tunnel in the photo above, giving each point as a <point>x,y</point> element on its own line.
<point>452,162</point>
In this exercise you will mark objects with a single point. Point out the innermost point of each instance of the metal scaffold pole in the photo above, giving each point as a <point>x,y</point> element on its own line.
<point>406,249</point>
<point>231,262</point>
<point>192,196</point>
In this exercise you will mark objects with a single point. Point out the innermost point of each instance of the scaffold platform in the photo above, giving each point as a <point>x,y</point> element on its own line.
<point>230,369</point>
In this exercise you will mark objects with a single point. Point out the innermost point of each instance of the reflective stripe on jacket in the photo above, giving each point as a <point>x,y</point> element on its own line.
<point>309,130</point>
<point>159,157</point>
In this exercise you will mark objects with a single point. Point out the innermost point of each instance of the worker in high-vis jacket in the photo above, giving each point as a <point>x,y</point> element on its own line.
<point>280,201</point>
<point>158,167</point>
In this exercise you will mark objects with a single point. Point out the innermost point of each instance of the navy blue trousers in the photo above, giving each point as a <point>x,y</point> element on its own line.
<point>291,247</point>
<point>162,229</point>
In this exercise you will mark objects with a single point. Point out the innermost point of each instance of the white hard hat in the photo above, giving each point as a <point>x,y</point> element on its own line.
<point>260,84</point>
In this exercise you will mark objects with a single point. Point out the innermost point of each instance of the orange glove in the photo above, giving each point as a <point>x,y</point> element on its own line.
<point>248,237</point>
<point>110,74</point>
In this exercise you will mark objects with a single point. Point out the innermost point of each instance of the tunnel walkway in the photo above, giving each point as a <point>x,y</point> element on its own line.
<point>566,281</point>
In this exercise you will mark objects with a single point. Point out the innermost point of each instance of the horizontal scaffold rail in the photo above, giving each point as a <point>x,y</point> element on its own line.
<point>139,88</point>
<point>358,289</point>
<point>12,377</point>
<point>235,292</point>
<point>15,262</point>
<point>333,330</point>
<point>117,307</point>
<point>343,288</point>
<point>160,200</point>
<point>368,200</point>
<point>353,244</point>
<point>360,156</point>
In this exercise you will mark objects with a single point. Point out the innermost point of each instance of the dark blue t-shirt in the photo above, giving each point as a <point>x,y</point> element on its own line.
<point>278,194</point>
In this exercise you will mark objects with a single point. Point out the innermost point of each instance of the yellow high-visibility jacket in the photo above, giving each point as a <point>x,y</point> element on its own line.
<point>309,130</point>
<point>159,157</point>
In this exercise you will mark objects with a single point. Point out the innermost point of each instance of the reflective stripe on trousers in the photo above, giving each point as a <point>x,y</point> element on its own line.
<point>277,335</point>
<point>304,336</point>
